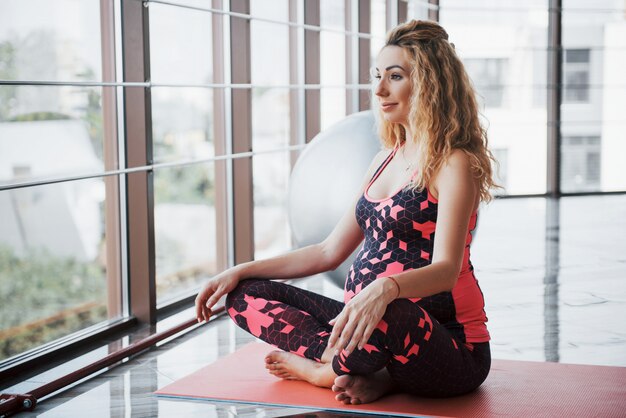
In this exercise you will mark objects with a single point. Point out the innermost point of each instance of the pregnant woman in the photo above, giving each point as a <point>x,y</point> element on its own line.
<point>412,319</point>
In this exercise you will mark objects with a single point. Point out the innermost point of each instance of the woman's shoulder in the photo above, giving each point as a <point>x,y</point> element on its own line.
<point>456,168</point>
<point>458,159</point>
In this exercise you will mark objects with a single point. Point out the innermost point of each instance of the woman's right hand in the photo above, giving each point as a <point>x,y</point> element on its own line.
<point>213,290</point>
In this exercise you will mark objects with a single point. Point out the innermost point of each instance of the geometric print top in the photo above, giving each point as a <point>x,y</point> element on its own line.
<point>399,233</point>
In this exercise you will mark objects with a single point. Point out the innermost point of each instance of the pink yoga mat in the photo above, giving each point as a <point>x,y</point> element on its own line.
<point>513,388</point>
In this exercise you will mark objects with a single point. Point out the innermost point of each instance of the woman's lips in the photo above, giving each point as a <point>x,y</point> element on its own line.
<point>388,106</point>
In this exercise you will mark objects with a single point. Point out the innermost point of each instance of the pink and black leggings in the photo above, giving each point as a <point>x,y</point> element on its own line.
<point>420,354</point>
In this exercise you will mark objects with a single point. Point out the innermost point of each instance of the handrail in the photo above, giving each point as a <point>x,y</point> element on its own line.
<point>11,403</point>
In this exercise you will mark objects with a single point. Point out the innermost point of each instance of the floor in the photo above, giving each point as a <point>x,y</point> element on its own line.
<point>554,278</point>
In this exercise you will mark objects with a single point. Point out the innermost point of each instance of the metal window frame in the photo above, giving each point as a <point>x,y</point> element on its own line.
<point>352,62</point>
<point>223,225</point>
<point>140,187</point>
<point>433,10</point>
<point>555,69</point>
<point>312,71</point>
<point>297,113</point>
<point>241,129</point>
<point>115,307</point>
<point>364,45</point>
<point>27,363</point>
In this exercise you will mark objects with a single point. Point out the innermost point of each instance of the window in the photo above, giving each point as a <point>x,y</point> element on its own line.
<point>488,77</point>
<point>576,66</point>
<point>497,45</point>
<point>60,269</point>
<point>580,163</point>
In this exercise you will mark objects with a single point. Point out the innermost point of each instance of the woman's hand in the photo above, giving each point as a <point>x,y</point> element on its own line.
<point>357,321</point>
<point>213,290</point>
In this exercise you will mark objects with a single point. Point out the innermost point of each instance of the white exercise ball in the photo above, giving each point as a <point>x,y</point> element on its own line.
<point>327,177</point>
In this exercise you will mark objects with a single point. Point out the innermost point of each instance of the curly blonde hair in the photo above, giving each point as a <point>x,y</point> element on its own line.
<point>443,107</point>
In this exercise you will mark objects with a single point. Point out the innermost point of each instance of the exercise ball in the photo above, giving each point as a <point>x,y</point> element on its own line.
<point>327,177</point>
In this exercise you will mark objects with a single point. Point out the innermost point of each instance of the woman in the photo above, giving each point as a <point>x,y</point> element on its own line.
<point>413,316</point>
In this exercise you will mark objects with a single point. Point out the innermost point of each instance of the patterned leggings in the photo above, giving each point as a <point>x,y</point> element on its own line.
<point>419,353</point>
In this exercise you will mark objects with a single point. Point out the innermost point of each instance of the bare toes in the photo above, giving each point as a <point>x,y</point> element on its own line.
<point>344,381</point>
<point>273,356</point>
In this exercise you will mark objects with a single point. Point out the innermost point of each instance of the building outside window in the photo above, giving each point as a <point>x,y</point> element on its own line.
<point>488,77</point>
<point>580,164</point>
<point>576,66</point>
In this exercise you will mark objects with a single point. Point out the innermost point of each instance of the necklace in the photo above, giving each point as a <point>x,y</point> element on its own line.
<point>410,165</point>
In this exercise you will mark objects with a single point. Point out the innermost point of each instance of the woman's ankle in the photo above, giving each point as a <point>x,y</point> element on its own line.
<point>324,376</point>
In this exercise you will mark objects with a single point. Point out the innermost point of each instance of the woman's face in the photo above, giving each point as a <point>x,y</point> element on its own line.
<point>392,84</point>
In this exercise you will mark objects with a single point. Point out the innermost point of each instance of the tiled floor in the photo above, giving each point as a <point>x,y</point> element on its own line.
<point>554,278</point>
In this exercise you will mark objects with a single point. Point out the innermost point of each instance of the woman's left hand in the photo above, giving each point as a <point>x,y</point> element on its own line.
<point>359,318</point>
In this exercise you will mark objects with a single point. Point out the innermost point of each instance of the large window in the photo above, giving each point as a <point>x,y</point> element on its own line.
<point>497,42</point>
<point>60,268</point>
<point>182,113</point>
<point>594,95</point>
<point>271,127</point>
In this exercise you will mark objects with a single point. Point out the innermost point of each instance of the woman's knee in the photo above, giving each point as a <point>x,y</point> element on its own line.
<point>403,311</point>
<point>248,287</point>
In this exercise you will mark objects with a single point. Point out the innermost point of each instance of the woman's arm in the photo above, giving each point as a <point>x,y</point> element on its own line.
<point>317,258</point>
<point>457,193</point>
<point>310,260</point>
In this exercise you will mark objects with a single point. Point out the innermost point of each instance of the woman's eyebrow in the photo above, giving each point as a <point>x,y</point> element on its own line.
<point>392,66</point>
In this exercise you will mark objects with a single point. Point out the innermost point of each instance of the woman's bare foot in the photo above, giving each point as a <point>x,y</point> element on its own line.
<point>357,390</point>
<point>293,367</point>
<point>327,355</point>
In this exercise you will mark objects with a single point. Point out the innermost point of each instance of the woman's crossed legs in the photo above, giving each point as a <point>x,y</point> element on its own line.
<point>409,351</point>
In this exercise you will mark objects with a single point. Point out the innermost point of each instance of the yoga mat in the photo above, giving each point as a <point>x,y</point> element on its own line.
<point>513,388</point>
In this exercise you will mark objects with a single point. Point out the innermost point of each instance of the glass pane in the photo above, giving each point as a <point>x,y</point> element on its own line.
<point>269,53</point>
<point>592,156</point>
<point>201,4</point>
<point>50,40</point>
<point>332,58</point>
<point>594,96</point>
<point>59,261</point>
<point>509,73</point>
<point>270,118</point>
<point>332,14</point>
<point>520,143</point>
<point>333,106</point>
<point>378,28</point>
<point>181,45</point>
<point>184,225</point>
<point>378,18</point>
<point>271,228</point>
<point>417,9</point>
<point>333,72</point>
<point>270,106</point>
<point>270,9</point>
<point>64,124</point>
<point>182,123</point>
